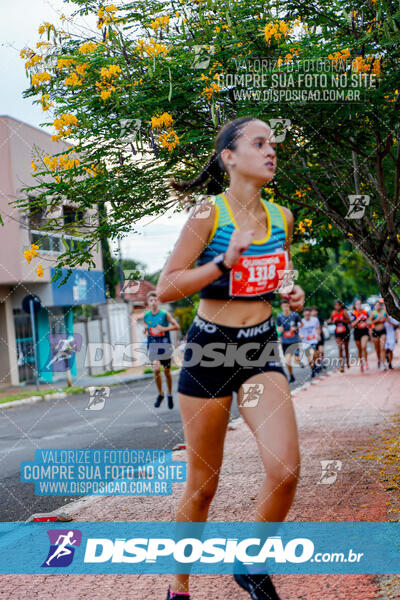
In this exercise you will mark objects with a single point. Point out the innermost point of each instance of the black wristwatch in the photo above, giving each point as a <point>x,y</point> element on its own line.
<point>219,261</point>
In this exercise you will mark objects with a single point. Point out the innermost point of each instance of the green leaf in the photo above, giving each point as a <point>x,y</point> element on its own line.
<point>213,113</point>
<point>228,19</point>
<point>387,32</point>
<point>170,85</point>
<point>64,242</point>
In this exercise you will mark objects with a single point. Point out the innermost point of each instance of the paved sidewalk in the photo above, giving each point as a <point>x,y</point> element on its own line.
<point>343,417</point>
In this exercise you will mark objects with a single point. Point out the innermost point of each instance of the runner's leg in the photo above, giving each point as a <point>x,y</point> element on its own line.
<point>157,376</point>
<point>205,420</point>
<point>339,342</point>
<point>168,379</point>
<point>273,424</point>
<point>346,350</point>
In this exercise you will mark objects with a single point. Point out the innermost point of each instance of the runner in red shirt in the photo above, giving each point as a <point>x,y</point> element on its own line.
<point>361,336</point>
<point>340,317</point>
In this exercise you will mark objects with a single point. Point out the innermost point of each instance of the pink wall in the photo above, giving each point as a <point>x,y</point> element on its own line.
<point>17,142</point>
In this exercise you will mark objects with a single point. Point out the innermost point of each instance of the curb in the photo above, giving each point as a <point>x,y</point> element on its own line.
<point>62,395</point>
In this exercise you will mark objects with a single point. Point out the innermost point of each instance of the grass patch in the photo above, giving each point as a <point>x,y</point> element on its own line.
<point>150,370</point>
<point>41,393</point>
<point>107,373</point>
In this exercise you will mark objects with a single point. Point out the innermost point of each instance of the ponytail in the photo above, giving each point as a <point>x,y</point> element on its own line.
<point>214,170</point>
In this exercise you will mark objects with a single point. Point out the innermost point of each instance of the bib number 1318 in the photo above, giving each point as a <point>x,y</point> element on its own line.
<point>255,275</point>
<point>260,273</point>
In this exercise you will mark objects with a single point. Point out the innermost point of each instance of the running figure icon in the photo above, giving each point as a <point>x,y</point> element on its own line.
<point>62,549</point>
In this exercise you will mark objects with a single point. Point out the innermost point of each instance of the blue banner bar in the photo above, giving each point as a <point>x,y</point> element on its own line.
<point>200,548</point>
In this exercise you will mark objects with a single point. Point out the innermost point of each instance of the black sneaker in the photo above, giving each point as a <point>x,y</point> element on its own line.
<point>259,586</point>
<point>292,379</point>
<point>160,398</point>
<point>176,596</point>
<point>170,401</point>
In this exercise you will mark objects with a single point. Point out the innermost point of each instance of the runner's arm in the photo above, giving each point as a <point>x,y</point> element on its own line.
<point>346,317</point>
<point>179,279</point>
<point>297,296</point>
<point>174,324</point>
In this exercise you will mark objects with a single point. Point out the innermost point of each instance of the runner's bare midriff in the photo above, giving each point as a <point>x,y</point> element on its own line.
<point>234,313</point>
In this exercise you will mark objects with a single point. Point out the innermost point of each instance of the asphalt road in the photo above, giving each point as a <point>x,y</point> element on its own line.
<point>127,420</point>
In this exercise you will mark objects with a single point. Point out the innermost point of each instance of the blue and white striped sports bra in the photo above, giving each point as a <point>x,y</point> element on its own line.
<point>218,242</point>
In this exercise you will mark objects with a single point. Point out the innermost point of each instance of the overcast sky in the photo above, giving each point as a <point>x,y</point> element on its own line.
<point>19,23</point>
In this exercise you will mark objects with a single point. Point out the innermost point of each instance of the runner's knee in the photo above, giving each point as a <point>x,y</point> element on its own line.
<point>284,477</point>
<point>203,487</point>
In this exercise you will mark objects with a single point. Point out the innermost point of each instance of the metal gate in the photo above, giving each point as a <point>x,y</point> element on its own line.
<point>24,343</point>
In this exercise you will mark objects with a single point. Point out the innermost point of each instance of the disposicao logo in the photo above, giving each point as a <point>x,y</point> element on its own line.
<point>62,542</point>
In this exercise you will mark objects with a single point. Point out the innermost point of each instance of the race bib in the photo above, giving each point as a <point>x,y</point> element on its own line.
<point>255,275</point>
<point>288,334</point>
<point>311,337</point>
<point>155,333</point>
<point>340,328</point>
<point>361,324</point>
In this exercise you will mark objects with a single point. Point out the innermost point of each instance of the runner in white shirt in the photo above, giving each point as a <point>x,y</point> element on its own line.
<point>390,326</point>
<point>310,335</point>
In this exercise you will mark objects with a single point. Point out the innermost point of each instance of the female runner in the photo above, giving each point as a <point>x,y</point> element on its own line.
<point>340,317</point>
<point>238,248</point>
<point>377,319</point>
<point>361,336</point>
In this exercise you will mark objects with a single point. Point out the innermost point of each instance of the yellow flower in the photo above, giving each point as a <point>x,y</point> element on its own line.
<point>80,69</point>
<point>105,94</point>
<point>165,120</point>
<point>276,30</point>
<point>45,102</point>
<point>64,125</point>
<point>152,49</point>
<point>65,62</point>
<point>28,255</point>
<point>169,140</point>
<point>88,47</point>
<point>160,22</point>
<point>39,78</point>
<point>111,71</point>
<point>39,271</point>
<point>34,167</point>
<point>73,80</point>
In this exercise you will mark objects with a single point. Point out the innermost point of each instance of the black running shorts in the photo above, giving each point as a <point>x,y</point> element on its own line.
<point>218,359</point>
<point>161,351</point>
<point>359,332</point>
<point>377,333</point>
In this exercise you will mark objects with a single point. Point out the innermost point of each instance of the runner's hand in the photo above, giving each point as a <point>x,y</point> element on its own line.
<point>295,298</point>
<point>239,242</point>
